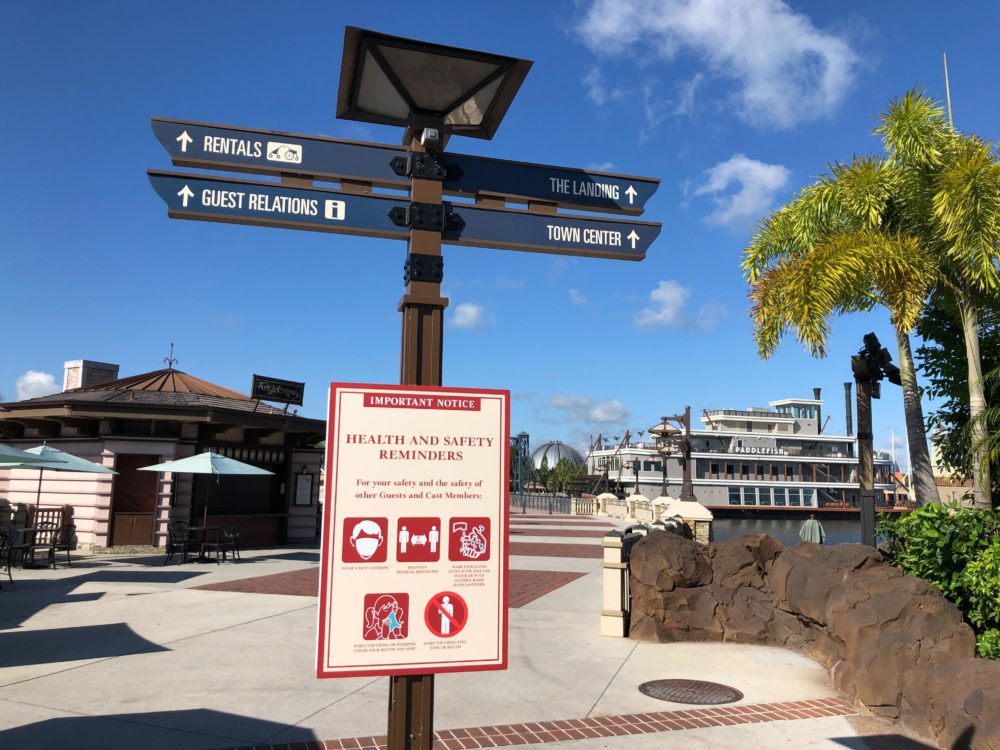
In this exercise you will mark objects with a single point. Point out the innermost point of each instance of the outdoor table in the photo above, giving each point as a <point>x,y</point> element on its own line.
<point>201,534</point>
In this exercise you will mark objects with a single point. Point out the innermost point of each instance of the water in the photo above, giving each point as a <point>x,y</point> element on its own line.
<point>784,529</point>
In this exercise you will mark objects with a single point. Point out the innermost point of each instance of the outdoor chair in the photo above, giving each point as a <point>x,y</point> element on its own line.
<point>64,541</point>
<point>40,538</point>
<point>227,540</point>
<point>179,541</point>
<point>8,538</point>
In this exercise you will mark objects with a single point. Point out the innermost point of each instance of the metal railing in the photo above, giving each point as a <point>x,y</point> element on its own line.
<point>522,502</point>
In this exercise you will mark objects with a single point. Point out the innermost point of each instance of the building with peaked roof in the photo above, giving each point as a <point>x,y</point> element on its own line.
<point>128,423</point>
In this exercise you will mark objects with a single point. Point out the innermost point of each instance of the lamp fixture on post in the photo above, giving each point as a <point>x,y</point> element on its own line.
<point>870,365</point>
<point>673,435</point>
<point>434,91</point>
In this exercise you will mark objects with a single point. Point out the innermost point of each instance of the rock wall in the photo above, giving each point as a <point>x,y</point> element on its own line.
<point>891,641</point>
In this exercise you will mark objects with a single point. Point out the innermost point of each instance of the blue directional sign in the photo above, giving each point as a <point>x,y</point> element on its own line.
<point>193,144</point>
<point>316,209</point>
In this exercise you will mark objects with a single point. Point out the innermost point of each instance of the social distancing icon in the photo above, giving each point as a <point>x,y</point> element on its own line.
<point>446,614</point>
<point>418,539</point>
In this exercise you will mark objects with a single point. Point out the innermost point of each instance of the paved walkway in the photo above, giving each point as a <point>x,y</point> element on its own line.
<point>124,653</point>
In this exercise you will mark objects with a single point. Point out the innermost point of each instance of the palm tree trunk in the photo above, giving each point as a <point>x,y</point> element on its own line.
<point>977,402</point>
<point>924,486</point>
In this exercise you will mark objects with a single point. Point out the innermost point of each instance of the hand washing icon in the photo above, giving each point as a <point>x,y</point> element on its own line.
<point>472,542</point>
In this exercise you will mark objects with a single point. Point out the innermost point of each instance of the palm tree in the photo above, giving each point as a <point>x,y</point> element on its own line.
<point>952,199</point>
<point>832,250</point>
<point>886,230</point>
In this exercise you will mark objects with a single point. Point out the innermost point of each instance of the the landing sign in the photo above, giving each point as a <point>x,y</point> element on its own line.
<point>322,210</point>
<point>194,144</point>
<point>413,567</point>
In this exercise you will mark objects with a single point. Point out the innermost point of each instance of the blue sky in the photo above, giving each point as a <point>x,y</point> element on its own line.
<point>733,110</point>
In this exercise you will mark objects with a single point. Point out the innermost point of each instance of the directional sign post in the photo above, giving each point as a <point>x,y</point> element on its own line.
<point>325,210</point>
<point>237,149</point>
<point>517,206</point>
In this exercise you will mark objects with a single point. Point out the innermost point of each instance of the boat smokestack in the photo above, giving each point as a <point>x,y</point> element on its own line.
<point>847,406</point>
<point>819,412</point>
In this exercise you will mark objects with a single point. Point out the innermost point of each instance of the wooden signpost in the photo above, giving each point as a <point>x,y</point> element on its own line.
<point>371,620</point>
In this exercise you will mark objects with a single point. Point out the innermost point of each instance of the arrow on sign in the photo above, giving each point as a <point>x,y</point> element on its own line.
<point>324,210</point>
<point>206,146</point>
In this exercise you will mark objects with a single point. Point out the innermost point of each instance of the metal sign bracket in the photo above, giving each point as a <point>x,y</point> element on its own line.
<point>421,166</point>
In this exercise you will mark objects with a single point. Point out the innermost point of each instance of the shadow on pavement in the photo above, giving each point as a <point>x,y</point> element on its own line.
<point>20,648</point>
<point>157,730</point>
<point>25,598</point>
<point>899,742</point>
<point>298,556</point>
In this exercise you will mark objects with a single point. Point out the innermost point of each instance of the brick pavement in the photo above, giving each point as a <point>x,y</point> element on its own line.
<point>541,549</point>
<point>524,586</point>
<point>534,733</point>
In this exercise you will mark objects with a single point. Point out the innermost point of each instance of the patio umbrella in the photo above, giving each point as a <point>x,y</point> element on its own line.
<point>12,457</point>
<point>53,459</point>
<point>207,463</point>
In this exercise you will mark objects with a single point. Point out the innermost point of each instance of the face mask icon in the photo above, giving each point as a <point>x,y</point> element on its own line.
<point>366,538</point>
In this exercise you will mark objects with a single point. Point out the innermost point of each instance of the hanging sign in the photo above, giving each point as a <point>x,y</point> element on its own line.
<point>414,557</point>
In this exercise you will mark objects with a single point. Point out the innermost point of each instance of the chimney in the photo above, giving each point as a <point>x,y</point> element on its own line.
<point>847,406</point>
<point>819,412</point>
<point>79,373</point>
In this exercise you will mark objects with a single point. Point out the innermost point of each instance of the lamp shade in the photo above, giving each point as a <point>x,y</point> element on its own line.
<point>665,430</point>
<point>391,80</point>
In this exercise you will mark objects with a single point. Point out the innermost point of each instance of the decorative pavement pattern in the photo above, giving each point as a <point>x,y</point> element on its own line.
<point>535,733</point>
<point>524,586</point>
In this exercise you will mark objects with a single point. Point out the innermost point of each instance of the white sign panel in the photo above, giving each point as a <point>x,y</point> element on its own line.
<point>414,558</point>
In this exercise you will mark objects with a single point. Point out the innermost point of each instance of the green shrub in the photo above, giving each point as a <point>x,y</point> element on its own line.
<point>988,644</point>
<point>981,583</point>
<point>958,551</point>
<point>937,543</point>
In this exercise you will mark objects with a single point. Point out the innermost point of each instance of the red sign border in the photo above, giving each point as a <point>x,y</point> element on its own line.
<point>324,575</point>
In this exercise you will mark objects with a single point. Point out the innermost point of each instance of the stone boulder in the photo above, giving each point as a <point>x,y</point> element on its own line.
<point>894,643</point>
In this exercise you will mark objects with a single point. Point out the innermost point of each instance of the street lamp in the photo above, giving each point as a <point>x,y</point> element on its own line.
<point>433,91</point>
<point>673,436</point>
<point>872,363</point>
<point>395,81</point>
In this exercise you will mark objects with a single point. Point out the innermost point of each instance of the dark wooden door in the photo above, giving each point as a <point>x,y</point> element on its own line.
<point>133,500</point>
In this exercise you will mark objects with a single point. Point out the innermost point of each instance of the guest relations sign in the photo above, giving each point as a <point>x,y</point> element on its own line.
<point>413,569</point>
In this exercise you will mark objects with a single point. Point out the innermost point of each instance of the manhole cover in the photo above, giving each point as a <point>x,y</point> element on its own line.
<point>690,691</point>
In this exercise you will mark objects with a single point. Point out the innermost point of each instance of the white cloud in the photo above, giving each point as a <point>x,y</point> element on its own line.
<point>666,310</point>
<point>597,91</point>
<point>685,102</point>
<point>757,186</point>
<point>787,70</point>
<point>469,315</point>
<point>604,166</point>
<point>654,109</point>
<point>582,409</point>
<point>34,384</point>
<point>578,298</point>
<point>608,411</point>
<point>710,316</point>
